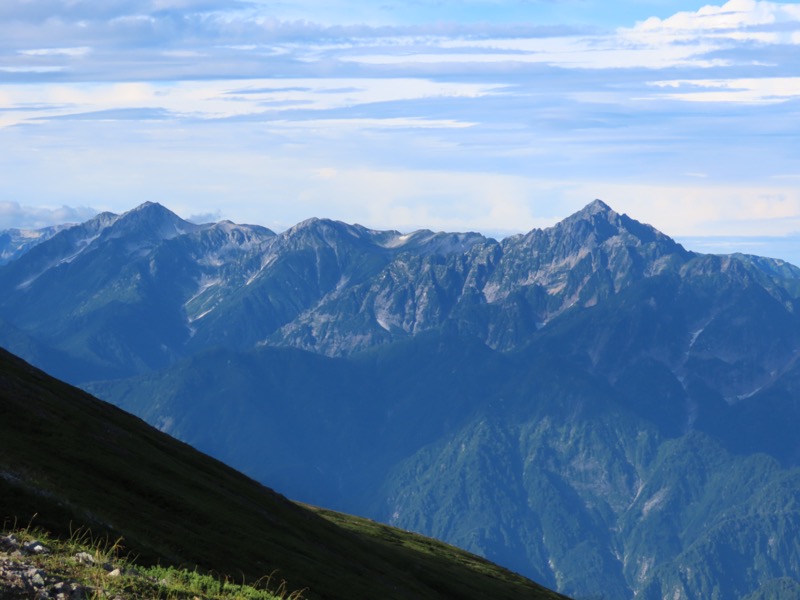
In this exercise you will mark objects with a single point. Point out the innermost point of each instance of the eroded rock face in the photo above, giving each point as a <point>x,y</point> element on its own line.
<point>134,292</point>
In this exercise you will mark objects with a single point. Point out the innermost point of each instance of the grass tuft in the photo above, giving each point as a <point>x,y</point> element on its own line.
<point>102,569</point>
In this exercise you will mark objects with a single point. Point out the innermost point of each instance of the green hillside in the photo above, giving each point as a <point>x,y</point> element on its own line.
<point>73,460</point>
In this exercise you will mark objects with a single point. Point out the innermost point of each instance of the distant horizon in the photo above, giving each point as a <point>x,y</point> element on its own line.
<point>494,115</point>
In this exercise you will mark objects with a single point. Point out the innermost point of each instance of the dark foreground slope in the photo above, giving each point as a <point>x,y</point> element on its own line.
<point>74,460</point>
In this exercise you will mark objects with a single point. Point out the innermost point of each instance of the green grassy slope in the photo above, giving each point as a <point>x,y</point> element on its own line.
<point>74,460</point>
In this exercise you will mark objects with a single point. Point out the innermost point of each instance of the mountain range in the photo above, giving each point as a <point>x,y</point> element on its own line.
<point>590,405</point>
<point>16,242</point>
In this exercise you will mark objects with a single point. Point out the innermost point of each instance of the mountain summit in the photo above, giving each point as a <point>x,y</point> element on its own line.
<point>149,223</point>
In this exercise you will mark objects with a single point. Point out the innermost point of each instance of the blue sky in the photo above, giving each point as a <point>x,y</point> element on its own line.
<point>490,115</point>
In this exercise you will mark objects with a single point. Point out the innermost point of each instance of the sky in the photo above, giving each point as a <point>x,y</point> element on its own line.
<point>497,116</point>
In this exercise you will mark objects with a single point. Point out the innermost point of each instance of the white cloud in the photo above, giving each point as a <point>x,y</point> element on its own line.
<point>762,90</point>
<point>687,39</point>
<point>160,41</point>
<point>32,69</point>
<point>14,215</point>
<point>731,26</point>
<point>206,217</point>
<point>220,99</point>
<point>80,51</point>
<point>599,52</point>
<point>733,15</point>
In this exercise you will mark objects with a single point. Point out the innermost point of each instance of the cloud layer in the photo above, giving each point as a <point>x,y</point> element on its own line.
<point>501,115</point>
<point>14,215</point>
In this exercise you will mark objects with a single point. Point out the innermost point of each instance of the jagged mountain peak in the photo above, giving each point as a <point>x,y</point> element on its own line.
<point>104,219</point>
<point>598,225</point>
<point>589,256</point>
<point>149,205</point>
<point>597,213</point>
<point>153,211</point>
<point>316,224</point>
<point>597,221</point>
<point>325,228</point>
<point>149,222</point>
<point>596,207</point>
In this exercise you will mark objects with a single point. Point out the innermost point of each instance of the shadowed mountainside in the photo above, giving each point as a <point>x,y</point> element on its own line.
<point>74,460</point>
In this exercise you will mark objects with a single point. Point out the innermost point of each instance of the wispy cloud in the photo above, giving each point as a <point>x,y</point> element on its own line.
<point>753,90</point>
<point>14,215</point>
<point>736,18</point>
<point>501,114</point>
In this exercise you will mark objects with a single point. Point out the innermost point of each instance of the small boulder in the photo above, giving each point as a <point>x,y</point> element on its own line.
<point>35,577</point>
<point>9,543</point>
<point>35,547</point>
<point>84,558</point>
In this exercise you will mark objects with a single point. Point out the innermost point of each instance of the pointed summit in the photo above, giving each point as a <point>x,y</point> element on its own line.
<point>610,251</point>
<point>595,212</point>
<point>597,223</point>
<point>149,222</point>
<point>148,205</point>
<point>152,211</point>
<point>596,207</point>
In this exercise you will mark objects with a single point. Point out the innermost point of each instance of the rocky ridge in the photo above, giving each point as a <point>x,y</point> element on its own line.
<point>155,288</point>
